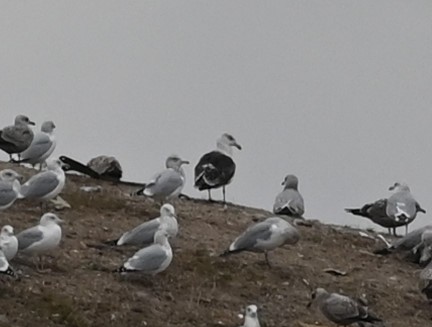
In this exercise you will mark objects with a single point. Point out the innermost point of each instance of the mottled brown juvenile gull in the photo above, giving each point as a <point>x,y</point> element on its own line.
<point>264,236</point>
<point>341,309</point>
<point>216,168</point>
<point>289,201</point>
<point>18,137</point>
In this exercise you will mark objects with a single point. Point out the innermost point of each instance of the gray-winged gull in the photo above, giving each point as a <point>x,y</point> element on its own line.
<point>8,242</point>
<point>45,185</point>
<point>152,259</point>
<point>402,206</point>
<point>265,236</point>
<point>42,146</point>
<point>425,281</point>
<point>41,238</point>
<point>168,183</point>
<point>251,316</point>
<point>382,212</point>
<point>5,268</point>
<point>144,233</point>
<point>9,188</point>
<point>216,168</point>
<point>408,242</point>
<point>341,309</point>
<point>18,137</point>
<point>423,250</point>
<point>289,201</point>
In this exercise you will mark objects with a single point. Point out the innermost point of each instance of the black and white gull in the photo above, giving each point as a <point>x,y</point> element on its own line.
<point>216,168</point>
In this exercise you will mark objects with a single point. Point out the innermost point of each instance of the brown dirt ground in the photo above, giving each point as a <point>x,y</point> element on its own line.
<point>199,288</point>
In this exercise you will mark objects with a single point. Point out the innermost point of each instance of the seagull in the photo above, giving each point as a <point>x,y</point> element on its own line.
<point>41,238</point>
<point>289,201</point>
<point>45,185</point>
<point>417,243</point>
<point>388,213</point>
<point>8,242</point>
<point>216,168</point>
<point>424,248</point>
<point>144,234</point>
<point>18,137</point>
<point>402,206</point>
<point>169,183</point>
<point>264,236</point>
<point>152,259</point>
<point>41,147</point>
<point>9,188</point>
<point>425,282</point>
<point>251,316</point>
<point>341,309</point>
<point>5,268</point>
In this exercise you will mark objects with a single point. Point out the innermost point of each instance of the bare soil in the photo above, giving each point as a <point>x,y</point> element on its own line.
<point>77,287</point>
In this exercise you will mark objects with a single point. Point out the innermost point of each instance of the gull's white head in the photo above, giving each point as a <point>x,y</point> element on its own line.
<point>167,210</point>
<point>399,187</point>
<point>54,164</point>
<point>48,127</point>
<point>317,295</point>
<point>50,218</point>
<point>228,140</point>
<point>9,175</point>
<point>7,230</point>
<point>23,120</point>
<point>252,311</point>
<point>161,235</point>
<point>174,161</point>
<point>290,181</point>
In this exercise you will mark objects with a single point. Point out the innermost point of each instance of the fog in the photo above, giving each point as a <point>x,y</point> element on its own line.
<point>336,92</point>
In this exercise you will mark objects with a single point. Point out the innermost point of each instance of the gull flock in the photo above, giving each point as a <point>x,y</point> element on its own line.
<point>215,169</point>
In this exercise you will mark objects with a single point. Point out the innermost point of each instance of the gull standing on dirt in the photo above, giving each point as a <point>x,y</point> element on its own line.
<point>18,137</point>
<point>41,238</point>
<point>216,168</point>
<point>47,184</point>
<point>251,317</point>
<point>402,206</point>
<point>152,259</point>
<point>8,242</point>
<point>9,188</point>
<point>144,234</point>
<point>265,236</point>
<point>169,183</point>
<point>5,268</point>
<point>341,309</point>
<point>398,210</point>
<point>41,147</point>
<point>289,201</point>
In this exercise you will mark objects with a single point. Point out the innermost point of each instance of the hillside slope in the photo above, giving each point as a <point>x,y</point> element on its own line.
<point>199,288</point>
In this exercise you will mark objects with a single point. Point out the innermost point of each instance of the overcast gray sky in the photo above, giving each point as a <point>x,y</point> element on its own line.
<point>337,92</point>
